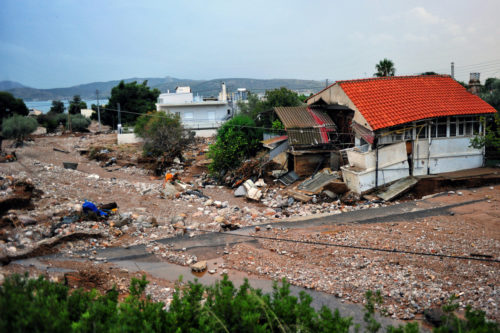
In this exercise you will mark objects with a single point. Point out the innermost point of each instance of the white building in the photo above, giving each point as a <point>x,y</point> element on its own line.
<point>196,112</point>
<point>406,126</point>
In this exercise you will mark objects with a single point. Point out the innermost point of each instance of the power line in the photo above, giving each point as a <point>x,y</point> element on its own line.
<point>356,247</point>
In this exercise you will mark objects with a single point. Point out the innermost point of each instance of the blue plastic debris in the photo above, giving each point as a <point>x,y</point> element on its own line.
<point>91,207</point>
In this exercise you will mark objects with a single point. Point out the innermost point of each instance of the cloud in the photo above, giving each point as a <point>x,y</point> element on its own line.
<point>426,17</point>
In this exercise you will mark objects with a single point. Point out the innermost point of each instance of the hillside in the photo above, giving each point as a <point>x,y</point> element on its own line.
<point>6,85</point>
<point>201,87</point>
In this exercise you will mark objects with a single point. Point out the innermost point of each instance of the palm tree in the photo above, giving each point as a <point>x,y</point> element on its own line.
<point>385,68</point>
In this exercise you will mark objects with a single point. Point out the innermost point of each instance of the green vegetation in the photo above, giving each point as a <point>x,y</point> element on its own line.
<point>76,105</point>
<point>134,99</point>
<point>277,125</point>
<point>490,92</point>
<point>57,107</point>
<point>38,305</point>
<point>18,127</point>
<point>79,123</point>
<point>10,106</point>
<point>51,121</point>
<point>258,110</point>
<point>163,134</point>
<point>236,140</point>
<point>385,68</point>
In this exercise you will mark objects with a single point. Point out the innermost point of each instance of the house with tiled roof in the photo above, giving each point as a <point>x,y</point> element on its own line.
<point>405,126</point>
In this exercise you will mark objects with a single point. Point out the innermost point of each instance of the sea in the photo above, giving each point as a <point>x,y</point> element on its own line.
<point>44,106</point>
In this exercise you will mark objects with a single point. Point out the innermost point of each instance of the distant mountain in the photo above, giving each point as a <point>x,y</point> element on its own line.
<point>201,87</point>
<point>7,85</point>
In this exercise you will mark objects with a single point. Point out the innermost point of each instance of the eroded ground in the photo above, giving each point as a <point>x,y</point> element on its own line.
<point>146,213</point>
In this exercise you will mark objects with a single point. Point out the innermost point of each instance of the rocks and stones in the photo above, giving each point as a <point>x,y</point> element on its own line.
<point>350,198</point>
<point>177,218</point>
<point>240,191</point>
<point>123,219</point>
<point>26,220</point>
<point>200,266</point>
<point>169,190</point>
<point>330,194</point>
<point>260,183</point>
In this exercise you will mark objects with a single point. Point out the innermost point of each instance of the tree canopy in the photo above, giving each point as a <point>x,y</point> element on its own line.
<point>236,140</point>
<point>9,105</point>
<point>132,97</point>
<point>57,107</point>
<point>18,127</point>
<point>385,68</point>
<point>256,108</point>
<point>76,105</point>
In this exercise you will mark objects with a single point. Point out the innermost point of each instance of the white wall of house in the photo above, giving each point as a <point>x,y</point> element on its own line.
<point>360,174</point>
<point>438,146</point>
<point>445,155</point>
<point>210,114</point>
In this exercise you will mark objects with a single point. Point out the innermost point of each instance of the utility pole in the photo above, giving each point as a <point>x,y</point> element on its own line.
<point>69,120</point>
<point>98,110</point>
<point>119,126</point>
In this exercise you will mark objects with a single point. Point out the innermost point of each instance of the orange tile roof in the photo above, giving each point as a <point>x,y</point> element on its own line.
<point>390,101</point>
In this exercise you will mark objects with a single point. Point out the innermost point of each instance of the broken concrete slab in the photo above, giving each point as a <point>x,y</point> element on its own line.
<point>253,192</point>
<point>316,183</point>
<point>200,266</point>
<point>240,191</point>
<point>397,188</point>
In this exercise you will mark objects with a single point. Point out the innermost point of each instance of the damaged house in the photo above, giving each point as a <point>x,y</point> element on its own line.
<point>405,126</point>
<point>311,141</point>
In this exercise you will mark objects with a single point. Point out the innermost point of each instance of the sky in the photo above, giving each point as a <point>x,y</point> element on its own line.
<point>60,43</point>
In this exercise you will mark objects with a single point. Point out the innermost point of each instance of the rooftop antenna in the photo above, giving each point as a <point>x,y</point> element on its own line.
<point>452,70</point>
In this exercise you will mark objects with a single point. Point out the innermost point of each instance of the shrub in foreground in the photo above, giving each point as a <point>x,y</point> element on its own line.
<point>38,305</point>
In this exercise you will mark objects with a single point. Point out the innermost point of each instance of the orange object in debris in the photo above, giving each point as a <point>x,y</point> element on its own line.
<point>168,177</point>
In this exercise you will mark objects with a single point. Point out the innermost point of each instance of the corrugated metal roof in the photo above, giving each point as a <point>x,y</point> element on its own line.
<point>304,136</point>
<point>301,117</point>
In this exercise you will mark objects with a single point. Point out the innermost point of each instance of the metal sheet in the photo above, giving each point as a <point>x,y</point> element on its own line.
<point>300,117</point>
<point>278,150</point>
<point>316,183</point>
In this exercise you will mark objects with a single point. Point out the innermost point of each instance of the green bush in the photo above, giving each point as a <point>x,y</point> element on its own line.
<point>18,127</point>
<point>79,123</point>
<point>38,305</point>
<point>51,121</point>
<point>236,140</point>
<point>163,134</point>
